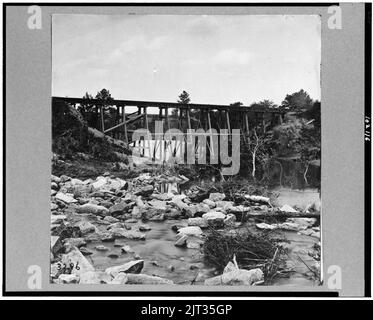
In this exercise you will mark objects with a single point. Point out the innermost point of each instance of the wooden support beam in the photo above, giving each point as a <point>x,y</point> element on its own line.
<point>102,119</point>
<point>210,129</point>
<point>228,122</point>
<point>188,118</point>
<point>147,128</point>
<point>124,124</point>
<point>247,123</point>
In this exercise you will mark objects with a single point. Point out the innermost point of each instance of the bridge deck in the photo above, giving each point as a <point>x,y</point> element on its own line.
<point>172,105</point>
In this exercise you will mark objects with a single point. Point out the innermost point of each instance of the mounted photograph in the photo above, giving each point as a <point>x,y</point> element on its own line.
<point>186,150</point>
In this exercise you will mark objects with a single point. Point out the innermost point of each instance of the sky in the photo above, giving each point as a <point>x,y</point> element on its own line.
<point>216,59</point>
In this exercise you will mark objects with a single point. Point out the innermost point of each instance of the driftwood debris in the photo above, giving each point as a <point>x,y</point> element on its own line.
<point>276,214</point>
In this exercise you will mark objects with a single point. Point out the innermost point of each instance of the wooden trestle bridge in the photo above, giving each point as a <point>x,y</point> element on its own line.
<point>174,115</point>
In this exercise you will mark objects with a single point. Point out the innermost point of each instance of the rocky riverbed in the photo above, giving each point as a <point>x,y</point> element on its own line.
<point>137,231</point>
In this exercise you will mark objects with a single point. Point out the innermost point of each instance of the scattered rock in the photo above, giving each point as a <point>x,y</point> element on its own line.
<point>210,203</point>
<point>144,227</point>
<point>236,278</point>
<point>65,197</point>
<point>181,242</point>
<point>56,219</point>
<point>215,219</point>
<point>101,248</point>
<point>127,249</point>
<point>266,226</point>
<point>145,191</point>
<point>230,220</point>
<point>93,209</point>
<point>68,278</point>
<point>129,267</point>
<point>128,234</point>
<point>111,219</point>
<point>85,251</point>
<point>94,277</point>
<point>190,231</point>
<point>120,278</point>
<point>146,279</point>
<point>78,261</point>
<point>287,208</point>
<point>74,242</point>
<point>86,227</point>
<point>199,222</point>
<point>216,196</point>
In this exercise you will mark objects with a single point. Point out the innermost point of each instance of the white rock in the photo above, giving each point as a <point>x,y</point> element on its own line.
<point>214,215</point>
<point>127,249</point>
<point>230,267</point>
<point>86,227</point>
<point>65,197</point>
<point>128,234</point>
<point>68,278</point>
<point>94,277</point>
<point>199,222</point>
<point>266,226</point>
<point>190,231</point>
<point>129,267</point>
<point>257,198</point>
<point>291,226</point>
<point>100,182</point>
<point>120,278</point>
<point>287,208</point>
<point>75,182</point>
<point>146,279</point>
<point>58,218</point>
<point>92,208</point>
<point>214,218</point>
<point>306,222</point>
<point>236,278</point>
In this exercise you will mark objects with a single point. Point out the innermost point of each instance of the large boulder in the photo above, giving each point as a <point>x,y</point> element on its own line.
<point>215,219</point>
<point>190,231</point>
<point>129,267</point>
<point>238,277</point>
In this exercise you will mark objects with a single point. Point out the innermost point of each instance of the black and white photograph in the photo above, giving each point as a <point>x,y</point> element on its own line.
<point>186,150</point>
